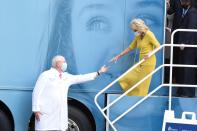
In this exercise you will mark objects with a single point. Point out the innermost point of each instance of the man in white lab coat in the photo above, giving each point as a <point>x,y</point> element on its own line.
<point>49,102</point>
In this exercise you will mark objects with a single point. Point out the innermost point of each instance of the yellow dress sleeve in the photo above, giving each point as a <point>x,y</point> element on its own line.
<point>153,39</point>
<point>133,44</point>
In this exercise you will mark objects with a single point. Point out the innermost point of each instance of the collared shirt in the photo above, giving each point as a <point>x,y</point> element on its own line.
<point>184,12</point>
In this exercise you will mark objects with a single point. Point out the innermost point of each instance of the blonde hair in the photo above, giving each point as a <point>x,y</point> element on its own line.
<point>140,25</point>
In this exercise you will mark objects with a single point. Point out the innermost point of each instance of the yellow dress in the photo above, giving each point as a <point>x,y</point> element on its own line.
<point>145,45</point>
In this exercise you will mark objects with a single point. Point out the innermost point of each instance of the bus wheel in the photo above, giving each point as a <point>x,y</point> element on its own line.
<point>5,124</point>
<point>78,120</point>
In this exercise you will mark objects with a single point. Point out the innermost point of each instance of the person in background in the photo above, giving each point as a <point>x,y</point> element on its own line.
<point>49,102</point>
<point>187,55</point>
<point>146,42</point>
<point>174,8</point>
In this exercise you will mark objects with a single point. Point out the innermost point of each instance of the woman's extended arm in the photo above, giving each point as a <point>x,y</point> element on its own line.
<point>126,51</point>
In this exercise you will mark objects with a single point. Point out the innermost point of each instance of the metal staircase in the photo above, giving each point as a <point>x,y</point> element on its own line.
<point>170,84</point>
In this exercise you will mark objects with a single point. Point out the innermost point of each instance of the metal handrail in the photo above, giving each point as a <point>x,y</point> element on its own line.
<point>146,97</point>
<point>130,69</point>
<point>138,83</point>
<point>116,80</point>
<point>112,83</point>
<point>175,65</point>
<point>156,89</point>
<point>171,58</point>
<point>150,74</point>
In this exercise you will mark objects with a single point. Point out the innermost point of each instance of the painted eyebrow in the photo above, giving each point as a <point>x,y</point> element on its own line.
<point>146,3</point>
<point>98,6</point>
<point>93,7</point>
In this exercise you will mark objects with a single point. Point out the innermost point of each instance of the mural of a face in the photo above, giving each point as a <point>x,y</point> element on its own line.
<point>98,33</point>
<point>100,30</point>
<point>94,31</point>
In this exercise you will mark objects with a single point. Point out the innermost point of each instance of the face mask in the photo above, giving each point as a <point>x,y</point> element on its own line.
<point>64,67</point>
<point>136,33</point>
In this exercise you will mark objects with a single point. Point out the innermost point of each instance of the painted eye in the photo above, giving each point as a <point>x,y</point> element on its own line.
<point>98,23</point>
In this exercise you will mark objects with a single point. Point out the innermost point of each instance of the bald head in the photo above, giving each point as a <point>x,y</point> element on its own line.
<point>57,61</point>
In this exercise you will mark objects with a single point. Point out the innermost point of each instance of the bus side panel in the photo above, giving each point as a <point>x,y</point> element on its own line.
<point>19,103</point>
<point>87,99</point>
<point>148,116</point>
<point>25,31</point>
<point>24,36</point>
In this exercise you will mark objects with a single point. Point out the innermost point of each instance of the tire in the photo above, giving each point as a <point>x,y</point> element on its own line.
<point>78,120</point>
<point>5,124</point>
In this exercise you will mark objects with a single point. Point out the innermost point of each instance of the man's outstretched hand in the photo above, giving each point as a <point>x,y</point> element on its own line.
<point>103,69</point>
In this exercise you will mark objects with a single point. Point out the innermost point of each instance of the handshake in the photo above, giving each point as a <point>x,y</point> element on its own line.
<point>105,68</point>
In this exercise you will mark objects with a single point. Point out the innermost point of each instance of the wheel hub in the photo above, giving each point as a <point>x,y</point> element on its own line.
<point>72,126</point>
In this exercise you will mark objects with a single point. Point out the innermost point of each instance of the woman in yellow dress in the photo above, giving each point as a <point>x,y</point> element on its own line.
<point>146,42</point>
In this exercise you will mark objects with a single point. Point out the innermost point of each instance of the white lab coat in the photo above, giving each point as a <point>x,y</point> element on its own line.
<point>50,98</point>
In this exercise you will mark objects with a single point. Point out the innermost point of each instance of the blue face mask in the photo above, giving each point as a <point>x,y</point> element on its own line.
<point>64,67</point>
<point>136,33</point>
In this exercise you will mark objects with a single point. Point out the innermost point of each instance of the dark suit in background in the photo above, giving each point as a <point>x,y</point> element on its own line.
<point>194,3</point>
<point>176,9</point>
<point>187,55</point>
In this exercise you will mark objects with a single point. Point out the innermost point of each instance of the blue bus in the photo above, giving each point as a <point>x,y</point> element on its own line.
<point>88,33</point>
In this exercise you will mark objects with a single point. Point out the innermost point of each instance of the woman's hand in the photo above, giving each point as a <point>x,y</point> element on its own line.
<point>115,59</point>
<point>103,69</point>
<point>146,57</point>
